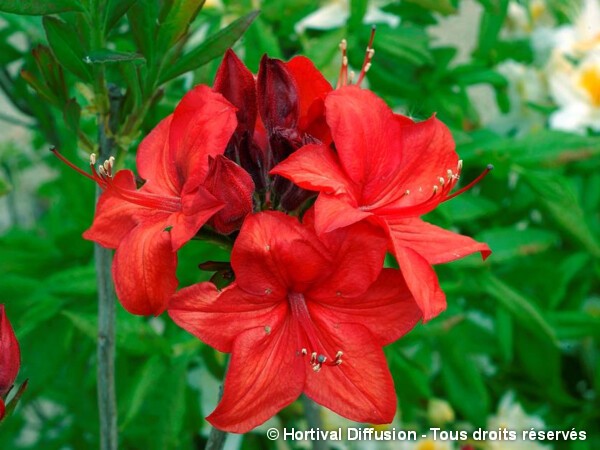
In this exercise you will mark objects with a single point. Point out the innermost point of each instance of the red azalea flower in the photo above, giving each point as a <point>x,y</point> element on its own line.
<point>148,225</point>
<point>389,170</point>
<point>10,358</point>
<point>278,112</point>
<point>305,314</point>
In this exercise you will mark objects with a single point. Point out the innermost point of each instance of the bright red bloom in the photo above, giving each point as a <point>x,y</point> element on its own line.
<point>10,358</point>
<point>305,314</point>
<point>389,170</point>
<point>278,112</point>
<point>148,225</point>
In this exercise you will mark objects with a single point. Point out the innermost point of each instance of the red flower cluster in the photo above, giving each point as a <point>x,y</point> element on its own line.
<point>311,306</point>
<point>10,359</point>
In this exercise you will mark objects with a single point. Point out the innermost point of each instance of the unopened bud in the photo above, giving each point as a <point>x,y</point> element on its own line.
<point>232,185</point>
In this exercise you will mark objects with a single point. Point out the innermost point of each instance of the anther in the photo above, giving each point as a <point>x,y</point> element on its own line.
<point>304,352</point>
<point>317,367</point>
<point>435,189</point>
<point>268,291</point>
<point>460,164</point>
<point>93,159</point>
<point>345,61</point>
<point>343,44</point>
<point>407,192</point>
<point>442,181</point>
<point>367,67</point>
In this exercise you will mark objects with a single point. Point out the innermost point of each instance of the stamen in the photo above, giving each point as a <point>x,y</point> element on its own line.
<point>481,176</point>
<point>342,79</point>
<point>368,57</point>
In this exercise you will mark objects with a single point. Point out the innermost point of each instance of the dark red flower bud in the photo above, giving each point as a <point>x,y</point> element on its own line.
<point>279,104</point>
<point>10,355</point>
<point>232,185</point>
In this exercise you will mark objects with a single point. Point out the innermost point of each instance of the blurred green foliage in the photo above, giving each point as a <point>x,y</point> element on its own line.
<point>527,320</point>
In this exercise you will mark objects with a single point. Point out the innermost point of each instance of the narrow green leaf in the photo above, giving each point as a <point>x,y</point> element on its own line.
<point>72,114</point>
<point>115,10</point>
<point>575,325</point>
<point>442,6</point>
<point>557,196</point>
<point>39,7</point>
<point>110,56</point>
<point>358,9</point>
<point>5,186</point>
<point>66,46</point>
<point>211,48</point>
<point>524,311</point>
<point>181,14</point>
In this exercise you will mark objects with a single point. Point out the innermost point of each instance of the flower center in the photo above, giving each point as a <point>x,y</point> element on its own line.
<point>590,81</point>
<point>103,177</point>
<point>318,356</point>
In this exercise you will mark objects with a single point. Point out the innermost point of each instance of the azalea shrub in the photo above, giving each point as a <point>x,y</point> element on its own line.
<point>282,190</point>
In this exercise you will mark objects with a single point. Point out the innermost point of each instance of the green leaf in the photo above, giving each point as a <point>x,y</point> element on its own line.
<point>442,6</point>
<point>5,186</point>
<point>110,56</point>
<point>490,26</point>
<point>468,207</point>
<point>404,43</point>
<point>509,243</point>
<point>523,310</point>
<point>557,196</point>
<point>181,14</point>
<point>72,114</point>
<point>358,9</point>
<point>211,48</point>
<point>575,325</point>
<point>115,10</point>
<point>66,46</point>
<point>39,7</point>
<point>464,383</point>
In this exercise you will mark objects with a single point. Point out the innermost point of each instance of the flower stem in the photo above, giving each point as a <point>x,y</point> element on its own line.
<point>313,417</point>
<point>217,438</point>
<point>107,402</point>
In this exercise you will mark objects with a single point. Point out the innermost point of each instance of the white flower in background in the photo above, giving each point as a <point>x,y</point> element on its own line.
<point>523,20</point>
<point>335,13</point>
<point>526,85</point>
<point>512,416</point>
<point>439,412</point>
<point>574,72</point>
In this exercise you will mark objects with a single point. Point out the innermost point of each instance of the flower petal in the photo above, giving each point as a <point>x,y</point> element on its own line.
<point>10,354</point>
<point>115,217</point>
<point>360,246</point>
<point>198,207</point>
<point>369,150</point>
<point>387,309</point>
<point>274,253</point>
<point>201,126</point>
<point>336,211</point>
<point>153,161</point>
<point>316,168</point>
<point>433,243</point>
<point>421,280</point>
<point>144,269</point>
<point>265,375</point>
<point>198,308</point>
<point>278,102</point>
<point>361,388</point>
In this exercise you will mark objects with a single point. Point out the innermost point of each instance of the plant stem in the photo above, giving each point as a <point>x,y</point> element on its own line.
<point>107,403</point>
<point>313,417</point>
<point>217,438</point>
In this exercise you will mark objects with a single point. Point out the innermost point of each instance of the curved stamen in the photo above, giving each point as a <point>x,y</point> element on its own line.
<point>481,176</point>
<point>103,176</point>
<point>343,77</point>
<point>368,57</point>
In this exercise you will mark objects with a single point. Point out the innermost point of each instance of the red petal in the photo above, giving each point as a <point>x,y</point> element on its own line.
<point>274,253</point>
<point>433,243</point>
<point>265,375</point>
<point>428,152</point>
<point>153,161</point>
<point>10,354</point>
<point>144,269</point>
<point>197,208</point>
<point>312,90</point>
<point>115,217</point>
<point>421,280</point>
<point>201,126</point>
<point>2,409</point>
<point>360,245</point>
<point>369,150</point>
<point>277,95</point>
<point>200,310</point>
<point>237,85</point>
<point>387,309</point>
<point>336,211</point>
<point>316,168</point>
<point>361,388</point>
